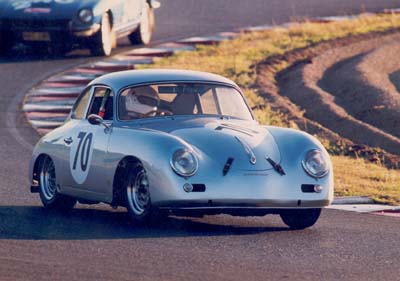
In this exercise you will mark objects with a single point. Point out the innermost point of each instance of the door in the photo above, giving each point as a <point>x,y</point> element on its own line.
<point>87,177</point>
<point>69,138</point>
<point>93,152</point>
<point>117,8</point>
<point>125,12</point>
<point>133,10</point>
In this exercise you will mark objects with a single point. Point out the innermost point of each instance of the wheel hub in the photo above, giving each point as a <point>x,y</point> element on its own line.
<point>138,194</point>
<point>48,180</point>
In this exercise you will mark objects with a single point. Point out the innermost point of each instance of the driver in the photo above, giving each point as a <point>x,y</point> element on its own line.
<point>142,102</point>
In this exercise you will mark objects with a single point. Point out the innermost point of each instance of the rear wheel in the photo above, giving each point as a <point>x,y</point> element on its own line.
<point>300,219</point>
<point>137,193</point>
<point>49,196</point>
<point>103,41</point>
<point>143,34</point>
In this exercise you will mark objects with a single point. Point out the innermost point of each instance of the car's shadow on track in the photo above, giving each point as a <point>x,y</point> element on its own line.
<point>37,223</point>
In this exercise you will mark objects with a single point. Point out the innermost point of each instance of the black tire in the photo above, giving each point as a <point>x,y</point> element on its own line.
<point>137,194</point>
<point>143,34</point>
<point>102,42</point>
<point>301,218</point>
<point>49,196</point>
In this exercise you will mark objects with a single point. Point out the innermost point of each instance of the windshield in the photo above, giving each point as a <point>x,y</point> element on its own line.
<point>181,99</point>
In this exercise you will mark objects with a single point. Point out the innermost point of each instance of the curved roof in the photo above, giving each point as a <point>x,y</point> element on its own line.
<point>118,80</point>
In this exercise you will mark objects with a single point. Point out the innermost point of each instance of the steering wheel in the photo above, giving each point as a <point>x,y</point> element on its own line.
<point>159,112</point>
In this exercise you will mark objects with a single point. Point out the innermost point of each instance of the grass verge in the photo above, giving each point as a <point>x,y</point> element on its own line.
<point>358,177</point>
<point>236,59</point>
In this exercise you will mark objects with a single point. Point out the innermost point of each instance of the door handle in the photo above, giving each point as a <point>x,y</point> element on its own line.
<point>68,140</point>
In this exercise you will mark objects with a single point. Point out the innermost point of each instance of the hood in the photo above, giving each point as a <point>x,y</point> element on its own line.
<point>49,10</point>
<point>224,139</point>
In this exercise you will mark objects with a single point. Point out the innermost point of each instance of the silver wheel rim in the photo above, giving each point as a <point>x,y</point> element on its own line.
<point>138,193</point>
<point>145,31</point>
<point>48,179</point>
<point>106,36</point>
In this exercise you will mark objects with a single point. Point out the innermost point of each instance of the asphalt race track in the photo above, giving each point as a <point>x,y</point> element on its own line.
<point>94,243</point>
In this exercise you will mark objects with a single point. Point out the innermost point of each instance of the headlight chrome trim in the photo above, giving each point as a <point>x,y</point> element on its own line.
<point>307,170</point>
<point>89,16</point>
<point>176,170</point>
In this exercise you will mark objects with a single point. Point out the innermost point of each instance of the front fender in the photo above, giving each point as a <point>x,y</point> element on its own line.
<point>293,146</point>
<point>153,148</point>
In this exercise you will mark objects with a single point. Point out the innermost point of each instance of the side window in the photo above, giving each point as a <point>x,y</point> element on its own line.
<point>102,103</point>
<point>78,112</point>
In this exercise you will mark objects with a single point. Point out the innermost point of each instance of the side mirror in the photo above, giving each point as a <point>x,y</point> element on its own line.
<point>95,119</point>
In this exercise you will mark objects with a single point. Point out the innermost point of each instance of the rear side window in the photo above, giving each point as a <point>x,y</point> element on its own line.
<point>79,109</point>
<point>102,103</point>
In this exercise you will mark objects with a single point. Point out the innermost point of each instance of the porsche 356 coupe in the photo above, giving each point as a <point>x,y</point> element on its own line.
<point>66,24</point>
<point>183,143</point>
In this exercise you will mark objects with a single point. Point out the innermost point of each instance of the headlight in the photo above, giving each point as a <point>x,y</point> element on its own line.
<point>315,163</point>
<point>184,163</point>
<point>85,15</point>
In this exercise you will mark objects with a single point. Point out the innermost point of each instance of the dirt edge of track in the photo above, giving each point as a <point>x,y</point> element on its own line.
<point>340,132</point>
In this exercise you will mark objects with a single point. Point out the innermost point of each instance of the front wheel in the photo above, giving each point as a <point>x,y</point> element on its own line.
<point>49,196</point>
<point>103,41</point>
<point>137,193</point>
<point>300,219</point>
<point>143,34</point>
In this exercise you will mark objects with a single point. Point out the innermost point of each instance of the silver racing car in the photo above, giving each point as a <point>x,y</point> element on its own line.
<point>182,143</point>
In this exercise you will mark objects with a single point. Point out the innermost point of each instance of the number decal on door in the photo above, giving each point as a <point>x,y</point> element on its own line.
<point>83,151</point>
<point>80,156</point>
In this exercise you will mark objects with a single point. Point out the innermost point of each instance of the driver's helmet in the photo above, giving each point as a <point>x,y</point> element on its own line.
<point>142,101</point>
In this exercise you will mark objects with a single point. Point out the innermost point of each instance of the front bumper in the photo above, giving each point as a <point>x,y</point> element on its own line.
<point>243,204</point>
<point>240,190</point>
<point>56,31</point>
<point>234,211</point>
<point>86,31</point>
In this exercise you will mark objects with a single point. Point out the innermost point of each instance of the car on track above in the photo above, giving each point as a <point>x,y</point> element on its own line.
<point>65,24</point>
<point>179,142</point>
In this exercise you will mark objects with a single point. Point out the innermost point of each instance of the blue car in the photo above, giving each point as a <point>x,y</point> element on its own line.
<point>66,24</point>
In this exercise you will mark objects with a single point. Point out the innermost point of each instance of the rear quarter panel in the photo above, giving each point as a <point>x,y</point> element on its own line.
<point>53,145</point>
